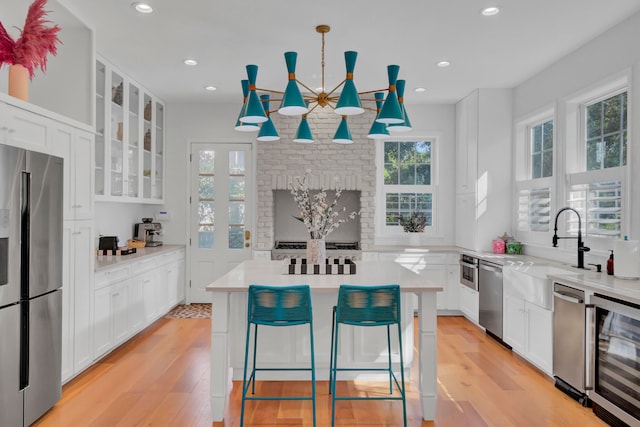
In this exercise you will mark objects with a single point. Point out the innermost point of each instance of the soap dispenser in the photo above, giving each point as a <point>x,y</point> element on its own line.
<point>610,264</point>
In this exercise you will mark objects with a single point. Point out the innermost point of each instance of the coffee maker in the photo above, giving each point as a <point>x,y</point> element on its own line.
<point>147,232</point>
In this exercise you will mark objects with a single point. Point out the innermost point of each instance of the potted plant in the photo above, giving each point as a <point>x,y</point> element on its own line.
<point>413,223</point>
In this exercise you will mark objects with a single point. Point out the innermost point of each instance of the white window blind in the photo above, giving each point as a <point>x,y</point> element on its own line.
<point>601,204</point>
<point>534,209</point>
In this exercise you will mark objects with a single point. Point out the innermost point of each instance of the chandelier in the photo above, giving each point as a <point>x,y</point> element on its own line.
<point>344,100</point>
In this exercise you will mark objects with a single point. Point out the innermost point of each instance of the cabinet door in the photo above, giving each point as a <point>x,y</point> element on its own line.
<point>438,274</point>
<point>467,143</point>
<point>120,311</point>
<point>149,296</point>
<point>469,303</point>
<point>82,165</point>
<point>514,323</point>
<point>102,330</point>
<point>172,284</point>
<point>539,349</point>
<point>136,304</point>
<point>25,129</point>
<point>453,288</point>
<point>466,220</point>
<point>82,282</point>
<point>181,281</point>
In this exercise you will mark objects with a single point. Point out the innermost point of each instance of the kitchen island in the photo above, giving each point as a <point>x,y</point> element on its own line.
<point>228,323</point>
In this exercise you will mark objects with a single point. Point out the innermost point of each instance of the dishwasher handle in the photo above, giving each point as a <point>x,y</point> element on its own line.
<point>568,298</point>
<point>491,267</point>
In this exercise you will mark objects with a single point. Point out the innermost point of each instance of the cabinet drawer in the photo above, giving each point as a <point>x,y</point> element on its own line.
<point>107,277</point>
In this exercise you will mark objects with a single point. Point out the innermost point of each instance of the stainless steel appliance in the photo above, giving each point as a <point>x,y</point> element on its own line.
<point>298,249</point>
<point>569,341</point>
<point>30,284</point>
<point>490,298</point>
<point>616,361</point>
<point>148,231</point>
<point>469,271</point>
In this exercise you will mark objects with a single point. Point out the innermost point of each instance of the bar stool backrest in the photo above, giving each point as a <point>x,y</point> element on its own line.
<point>279,305</point>
<point>368,305</point>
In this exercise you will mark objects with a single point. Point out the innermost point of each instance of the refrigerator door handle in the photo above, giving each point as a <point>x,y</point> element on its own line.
<point>25,232</point>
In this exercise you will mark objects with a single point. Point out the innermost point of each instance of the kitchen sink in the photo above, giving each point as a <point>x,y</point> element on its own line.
<point>530,282</point>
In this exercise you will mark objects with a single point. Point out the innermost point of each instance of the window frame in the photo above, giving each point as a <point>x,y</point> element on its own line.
<point>575,152</point>
<point>395,234</point>
<point>523,171</point>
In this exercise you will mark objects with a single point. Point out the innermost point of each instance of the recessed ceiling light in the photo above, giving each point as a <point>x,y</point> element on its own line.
<point>443,64</point>
<point>319,89</point>
<point>191,62</point>
<point>210,88</point>
<point>420,89</point>
<point>142,7</point>
<point>490,11</point>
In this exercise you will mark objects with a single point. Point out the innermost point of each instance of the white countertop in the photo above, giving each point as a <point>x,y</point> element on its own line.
<point>627,290</point>
<point>266,272</point>
<point>105,262</point>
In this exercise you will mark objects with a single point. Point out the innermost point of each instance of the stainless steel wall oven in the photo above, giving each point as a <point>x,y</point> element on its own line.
<point>616,361</point>
<point>469,271</point>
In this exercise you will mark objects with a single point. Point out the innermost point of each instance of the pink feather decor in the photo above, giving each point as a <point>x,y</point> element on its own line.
<point>36,41</point>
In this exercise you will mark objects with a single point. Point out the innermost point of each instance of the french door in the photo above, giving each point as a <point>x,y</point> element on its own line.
<point>221,201</point>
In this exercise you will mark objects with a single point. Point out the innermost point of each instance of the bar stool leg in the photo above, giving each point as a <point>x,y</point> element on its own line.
<point>253,372</point>
<point>313,373</point>
<point>244,377</point>
<point>390,366</point>
<point>332,383</point>
<point>333,325</point>
<point>404,396</point>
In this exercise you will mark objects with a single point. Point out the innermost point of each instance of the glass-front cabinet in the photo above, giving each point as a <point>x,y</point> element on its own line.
<point>130,139</point>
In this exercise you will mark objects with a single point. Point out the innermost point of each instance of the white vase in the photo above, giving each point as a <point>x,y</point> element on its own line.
<point>316,251</point>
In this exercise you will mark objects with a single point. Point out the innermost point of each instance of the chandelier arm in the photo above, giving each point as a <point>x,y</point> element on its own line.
<point>270,91</point>
<point>313,108</point>
<point>337,87</point>
<point>307,87</point>
<point>373,91</point>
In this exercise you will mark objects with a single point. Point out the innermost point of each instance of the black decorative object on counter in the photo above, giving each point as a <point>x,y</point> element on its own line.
<point>332,266</point>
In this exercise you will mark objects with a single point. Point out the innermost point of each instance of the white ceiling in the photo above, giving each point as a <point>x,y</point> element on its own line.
<point>225,35</point>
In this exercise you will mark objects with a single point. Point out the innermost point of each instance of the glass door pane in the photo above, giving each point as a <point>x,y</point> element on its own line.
<point>101,83</point>
<point>116,134</point>
<point>146,152</point>
<point>237,181</point>
<point>159,151</point>
<point>133,142</point>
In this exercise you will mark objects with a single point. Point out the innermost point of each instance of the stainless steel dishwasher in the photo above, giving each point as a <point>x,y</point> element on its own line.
<point>490,297</point>
<point>569,343</point>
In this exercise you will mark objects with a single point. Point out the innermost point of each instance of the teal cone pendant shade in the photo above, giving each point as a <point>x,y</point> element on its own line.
<point>391,111</point>
<point>378,130</point>
<point>303,135</point>
<point>343,134</point>
<point>254,112</point>
<point>268,131</point>
<point>245,127</point>
<point>292,101</point>
<point>349,102</point>
<point>406,125</point>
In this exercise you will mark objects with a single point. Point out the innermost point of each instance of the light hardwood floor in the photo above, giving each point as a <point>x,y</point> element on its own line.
<point>161,378</point>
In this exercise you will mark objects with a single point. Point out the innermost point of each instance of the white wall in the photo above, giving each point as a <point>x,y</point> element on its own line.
<point>611,53</point>
<point>117,219</point>
<point>214,122</point>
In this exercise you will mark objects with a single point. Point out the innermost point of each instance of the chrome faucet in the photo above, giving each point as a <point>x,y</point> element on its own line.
<point>581,247</point>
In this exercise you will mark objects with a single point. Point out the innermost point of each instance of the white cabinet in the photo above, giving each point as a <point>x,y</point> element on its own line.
<point>528,329</point>
<point>129,156</point>
<point>77,288</point>
<point>110,310</point>
<point>24,129</point>
<point>483,171</point>
<point>76,147</point>
<point>469,303</point>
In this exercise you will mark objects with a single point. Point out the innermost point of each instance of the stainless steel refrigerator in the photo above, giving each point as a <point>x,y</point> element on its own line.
<point>30,284</point>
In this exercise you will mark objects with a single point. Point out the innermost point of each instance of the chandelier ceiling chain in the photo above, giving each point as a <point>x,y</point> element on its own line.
<point>390,112</point>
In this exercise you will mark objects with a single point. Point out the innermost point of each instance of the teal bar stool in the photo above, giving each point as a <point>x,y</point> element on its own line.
<point>277,306</point>
<point>367,306</point>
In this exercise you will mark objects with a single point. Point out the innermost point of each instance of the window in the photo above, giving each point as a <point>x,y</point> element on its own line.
<point>406,183</point>
<point>542,150</point>
<point>534,175</point>
<point>606,132</point>
<point>597,163</point>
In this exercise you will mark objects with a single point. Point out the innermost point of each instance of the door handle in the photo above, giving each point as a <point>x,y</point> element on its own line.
<point>247,235</point>
<point>568,298</point>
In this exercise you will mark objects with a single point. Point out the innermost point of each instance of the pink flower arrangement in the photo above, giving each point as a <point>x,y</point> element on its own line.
<point>36,41</point>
